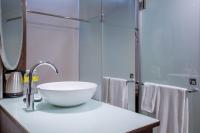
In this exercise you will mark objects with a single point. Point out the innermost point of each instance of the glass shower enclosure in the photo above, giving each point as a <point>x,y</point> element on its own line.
<point>159,44</point>
<point>107,41</point>
<point>170,48</point>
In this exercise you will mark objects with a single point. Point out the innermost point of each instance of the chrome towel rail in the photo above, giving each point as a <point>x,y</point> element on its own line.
<point>193,90</point>
<point>133,81</point>
<point>141,83</point>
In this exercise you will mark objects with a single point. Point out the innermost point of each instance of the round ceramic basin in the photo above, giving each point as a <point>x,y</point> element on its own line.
<point>69,93</point>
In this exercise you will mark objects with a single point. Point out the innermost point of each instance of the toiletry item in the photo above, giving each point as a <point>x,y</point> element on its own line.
<point>35,80</point>
<point>14,85</point>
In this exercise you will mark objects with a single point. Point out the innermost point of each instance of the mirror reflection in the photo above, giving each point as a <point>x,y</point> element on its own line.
<point>11,32</point>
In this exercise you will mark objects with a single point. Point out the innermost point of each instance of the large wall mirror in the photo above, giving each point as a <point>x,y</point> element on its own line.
<point>12,31</point>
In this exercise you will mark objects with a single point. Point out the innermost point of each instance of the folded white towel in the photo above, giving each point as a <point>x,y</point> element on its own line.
<point>170,106</point>
<point>172,109</point>
<point>115,92</point>
<point>148,102</point>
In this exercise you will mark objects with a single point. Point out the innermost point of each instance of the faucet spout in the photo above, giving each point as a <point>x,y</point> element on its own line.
<point>30,93</point>
<point>42,63</point>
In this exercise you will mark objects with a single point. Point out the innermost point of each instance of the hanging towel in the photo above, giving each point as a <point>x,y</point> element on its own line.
<point>172,109</point>
<point>148,102</point>
<point>115,92</point>
<point>105,89</point>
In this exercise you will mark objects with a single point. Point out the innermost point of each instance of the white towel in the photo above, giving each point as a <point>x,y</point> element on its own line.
<point>115,92</point>
<point>172,109</point>
<point>148,102</point>
<point>105,89</point>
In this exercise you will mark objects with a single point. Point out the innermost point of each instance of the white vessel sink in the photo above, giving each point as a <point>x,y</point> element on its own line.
<point>69,93</point>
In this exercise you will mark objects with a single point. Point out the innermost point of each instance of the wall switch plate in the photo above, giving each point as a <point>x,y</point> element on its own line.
<point>193,81</point>
<point>142,4</point>
<point>131,75</point>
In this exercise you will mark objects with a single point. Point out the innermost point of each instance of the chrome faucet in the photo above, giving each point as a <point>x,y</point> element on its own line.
<point>30,92</point>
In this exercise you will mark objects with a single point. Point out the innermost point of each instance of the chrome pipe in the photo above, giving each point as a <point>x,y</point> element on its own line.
<point>12,19</point>
<point>57,16</point>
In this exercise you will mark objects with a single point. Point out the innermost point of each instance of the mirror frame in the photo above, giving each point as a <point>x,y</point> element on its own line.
<point>21,62</point>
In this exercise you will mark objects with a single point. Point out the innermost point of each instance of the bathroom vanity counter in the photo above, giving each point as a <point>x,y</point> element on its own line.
<point>92,117</point>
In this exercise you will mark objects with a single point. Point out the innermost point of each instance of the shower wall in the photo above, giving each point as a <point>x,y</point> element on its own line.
<point>170,50</point>
<point>118,42</point>
<point>90,43</point>
<point>107,41</point>
<point>118,38</point>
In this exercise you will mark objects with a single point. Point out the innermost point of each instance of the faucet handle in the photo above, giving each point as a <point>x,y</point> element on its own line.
<point>35,100</point>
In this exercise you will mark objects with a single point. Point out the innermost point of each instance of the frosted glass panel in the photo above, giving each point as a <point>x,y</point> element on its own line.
<point>90,43</point>
<point>118,42</point>
<point>107,44</point>
<point>170,48</point>
<point>118,38</point>
<point>170,42</point>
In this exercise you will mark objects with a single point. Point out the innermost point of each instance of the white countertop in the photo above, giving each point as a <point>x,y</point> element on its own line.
<point>92,117</point>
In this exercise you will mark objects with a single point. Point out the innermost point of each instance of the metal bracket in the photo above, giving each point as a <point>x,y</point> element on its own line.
<point>102,17</point>
<point>142,4</point>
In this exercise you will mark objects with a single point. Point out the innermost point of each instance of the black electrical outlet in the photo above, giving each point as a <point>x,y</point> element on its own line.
<point>192,81</point>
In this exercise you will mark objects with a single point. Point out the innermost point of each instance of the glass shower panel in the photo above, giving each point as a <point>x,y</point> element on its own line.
<point>118,38</point>
<point>90,43</point>
<point>107,41</point>
<point>170,48</point>
<point>118,41</point>
<point>170,38</point>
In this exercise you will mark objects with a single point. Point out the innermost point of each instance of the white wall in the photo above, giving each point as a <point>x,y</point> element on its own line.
<point>53,39</point>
